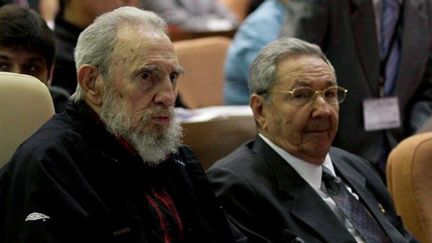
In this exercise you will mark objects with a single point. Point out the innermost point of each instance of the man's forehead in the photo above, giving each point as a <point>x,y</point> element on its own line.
<point>144,43</point>
<point>295,74</point>
<point>136,64</point>
<point>142,32</point>
<point>303,62</point>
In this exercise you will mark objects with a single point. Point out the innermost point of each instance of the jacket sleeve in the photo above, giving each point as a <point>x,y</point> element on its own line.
<point>39,201</point>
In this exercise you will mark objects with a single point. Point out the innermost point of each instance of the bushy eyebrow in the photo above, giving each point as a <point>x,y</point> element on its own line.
<point>145,68</point>
<point>155,68</point>
<point>304,83</point>
<point>152,67</point>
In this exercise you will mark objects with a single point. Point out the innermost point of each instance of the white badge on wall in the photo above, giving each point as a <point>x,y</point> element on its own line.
<point>382,113</point>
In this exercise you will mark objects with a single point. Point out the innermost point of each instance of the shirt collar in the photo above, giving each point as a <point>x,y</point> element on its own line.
<point>311,173</point>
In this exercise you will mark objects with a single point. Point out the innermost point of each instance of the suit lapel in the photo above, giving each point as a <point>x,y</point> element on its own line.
<point>365,37</point>
<point>312,210</point>
<point>415,39</point>
<point>306,204</point>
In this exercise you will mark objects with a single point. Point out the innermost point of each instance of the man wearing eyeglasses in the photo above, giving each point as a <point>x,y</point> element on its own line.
<point>289,184</point>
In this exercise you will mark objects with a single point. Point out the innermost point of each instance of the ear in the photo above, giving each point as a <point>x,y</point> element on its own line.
<point>257,104</point>
<point>90,84</point>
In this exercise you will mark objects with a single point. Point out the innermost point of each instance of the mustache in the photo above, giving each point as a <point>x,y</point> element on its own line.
<point>156,112</point>
<point>318,125</point>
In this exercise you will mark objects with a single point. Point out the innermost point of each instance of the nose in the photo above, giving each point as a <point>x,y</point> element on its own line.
<point>320,107</point>
<point>319,94</point>
<point>166,94</point>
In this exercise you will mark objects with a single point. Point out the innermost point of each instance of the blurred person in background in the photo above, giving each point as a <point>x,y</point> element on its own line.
<point>46,8</point>
<point>27,46</point>
<point>190,15</point>
<point>73,17</point>
<point>257,30</point>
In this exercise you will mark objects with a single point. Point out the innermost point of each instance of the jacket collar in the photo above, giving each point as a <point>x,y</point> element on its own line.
<point>358,183</point>
<point>303,202</point>
<point>89,124</point>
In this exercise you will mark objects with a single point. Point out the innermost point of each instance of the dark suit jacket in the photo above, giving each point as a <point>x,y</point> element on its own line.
<point>346,31</point>
<point>269,201</point>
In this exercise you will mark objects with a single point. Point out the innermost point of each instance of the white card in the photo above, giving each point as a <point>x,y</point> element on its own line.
<point>381,113</point>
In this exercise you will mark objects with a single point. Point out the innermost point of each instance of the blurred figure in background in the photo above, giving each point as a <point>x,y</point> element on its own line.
<point>46,8</point>
<point>190,15</point>
<point>257,30</point>
<point>73,17</point>
<point>27,46</point>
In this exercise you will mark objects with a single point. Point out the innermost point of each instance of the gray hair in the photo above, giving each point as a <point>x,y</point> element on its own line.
<point>96,43</point>
<point>262,75</point>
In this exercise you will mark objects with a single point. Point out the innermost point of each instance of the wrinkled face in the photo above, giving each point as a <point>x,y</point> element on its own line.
<point>21,61</point>
<point>305,131</point>
<point>138,105</point>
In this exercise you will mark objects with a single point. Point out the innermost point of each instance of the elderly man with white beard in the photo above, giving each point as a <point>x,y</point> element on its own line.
<point>111,168</point>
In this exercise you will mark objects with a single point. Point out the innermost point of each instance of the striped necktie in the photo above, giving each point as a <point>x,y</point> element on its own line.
<point>389,43</point>
<point>353,209</point>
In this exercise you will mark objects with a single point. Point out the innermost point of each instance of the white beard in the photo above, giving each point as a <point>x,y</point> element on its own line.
<point>152,146</point>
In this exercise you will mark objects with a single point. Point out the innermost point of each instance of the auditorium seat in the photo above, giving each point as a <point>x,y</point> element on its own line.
<point>239,7</point>
<point>213,139</point>
<point>409,180</point>
<point>203,60</point>
<point>25,104</point>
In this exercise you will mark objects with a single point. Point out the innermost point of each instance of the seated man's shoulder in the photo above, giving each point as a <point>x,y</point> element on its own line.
<point>358,163</point>
<point>240,163</point>
<point>348,157</point>
<point>236,157</point>
<point>58,130</point>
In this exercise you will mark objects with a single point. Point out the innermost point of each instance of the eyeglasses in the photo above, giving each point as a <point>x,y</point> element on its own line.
<point>299,96</point>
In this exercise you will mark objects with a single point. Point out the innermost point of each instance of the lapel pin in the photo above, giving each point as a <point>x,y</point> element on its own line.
<point>382,208</point>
